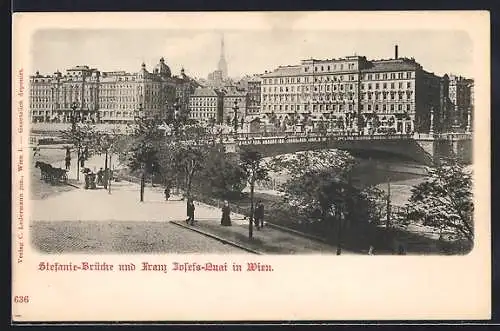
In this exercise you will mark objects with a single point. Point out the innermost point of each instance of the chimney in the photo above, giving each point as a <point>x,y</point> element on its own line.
<point>396,52</point>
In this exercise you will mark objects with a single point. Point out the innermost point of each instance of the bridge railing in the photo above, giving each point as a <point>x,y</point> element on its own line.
<point>316,138</point>
<point>444,136</point>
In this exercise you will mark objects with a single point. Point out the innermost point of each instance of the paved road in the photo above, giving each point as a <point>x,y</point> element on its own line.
<point>98,237</point>
<point>96,221</point>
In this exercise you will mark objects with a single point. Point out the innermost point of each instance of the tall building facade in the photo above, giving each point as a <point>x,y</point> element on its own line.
<point>206,105</point>
<point>353,93</point>
<point>215,78</point>
<point>107,97</point>
<point>234,96</point>
<point>461,94</point>
<point>254,91</point>
<point>52,96</point>
<point>185,87</point>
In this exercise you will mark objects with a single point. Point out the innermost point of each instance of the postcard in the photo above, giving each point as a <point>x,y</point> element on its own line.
<point>251,166</point>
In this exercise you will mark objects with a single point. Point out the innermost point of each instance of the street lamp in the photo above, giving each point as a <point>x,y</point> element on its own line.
<point>74,119</point>
<point>468,128</point>
<point>235,109</point>
<point>431,128</point>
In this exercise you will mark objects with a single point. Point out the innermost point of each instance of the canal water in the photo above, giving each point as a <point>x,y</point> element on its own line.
<point>380,170</point>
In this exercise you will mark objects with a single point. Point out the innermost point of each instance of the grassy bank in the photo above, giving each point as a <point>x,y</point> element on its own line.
<point>355,237</point>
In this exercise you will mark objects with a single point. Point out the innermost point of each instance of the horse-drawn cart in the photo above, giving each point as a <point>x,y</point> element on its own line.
<point>50,174</point>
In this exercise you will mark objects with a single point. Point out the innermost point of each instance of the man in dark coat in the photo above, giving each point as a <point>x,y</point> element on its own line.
<point>67,159</point>
<point>190,212</point>
<point>100,175</point>
<point>259,215</point>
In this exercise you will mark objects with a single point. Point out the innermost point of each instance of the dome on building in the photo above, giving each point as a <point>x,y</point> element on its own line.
<point>163,69</point>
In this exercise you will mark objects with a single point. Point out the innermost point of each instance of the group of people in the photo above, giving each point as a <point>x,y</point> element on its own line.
<point>100,178</point>
<point>258,216</point>
<point>83,157</point>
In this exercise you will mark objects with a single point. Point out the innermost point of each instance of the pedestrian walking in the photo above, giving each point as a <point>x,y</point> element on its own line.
<point>105,178</point>
<point>100,175</point>
<point>259,215</point>
<point>190,211</point>
<point>226,214</point>
<point>67,161</point>
<point>36,151</point>
<point>168,188</point>
<point>370,250</point>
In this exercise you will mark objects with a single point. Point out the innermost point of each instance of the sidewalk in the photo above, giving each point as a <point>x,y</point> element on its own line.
<point>265,241</point>
<point>123,205</point>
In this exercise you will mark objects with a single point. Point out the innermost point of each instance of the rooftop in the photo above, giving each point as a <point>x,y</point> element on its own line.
<point>392,65</point>
<point>284,71</point>
<point>204,92</point>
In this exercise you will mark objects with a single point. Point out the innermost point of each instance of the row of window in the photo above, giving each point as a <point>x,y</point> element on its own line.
<point>392,75</point>
<point>337,78</point>
<point>384,95</point>
<point>204,104</point>
<point>339,107</point>
<point>384,85</point>
<point>292,89</point>
<point>336,87</point>
<point>202,115</point>
<point>293,97</point>
<point>308,79</point>
<point>117,114</point>
<point>341,66</point>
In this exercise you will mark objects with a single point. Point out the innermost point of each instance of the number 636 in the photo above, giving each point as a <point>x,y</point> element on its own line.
<point>21,299</point>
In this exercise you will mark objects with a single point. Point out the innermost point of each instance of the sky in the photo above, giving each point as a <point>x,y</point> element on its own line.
<point>247,52</point>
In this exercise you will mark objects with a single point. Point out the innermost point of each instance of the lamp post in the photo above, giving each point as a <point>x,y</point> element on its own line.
<point>468,120</point>
<point>110,176</point>
<point>431,129</point>
<point>388,211</point>
<point>74,119</point>
<point>74,106</point>
<point>235,109</point>
<point>138,118</point>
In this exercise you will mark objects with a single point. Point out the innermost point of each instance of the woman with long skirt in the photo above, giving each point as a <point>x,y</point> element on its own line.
<point>226,215</point>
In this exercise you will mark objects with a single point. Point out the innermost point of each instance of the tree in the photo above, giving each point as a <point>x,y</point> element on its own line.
<point>255,169</point>
<point>221,175</point>
<point>82,136</point>
<point>107,143</point>
<point>273,119</point>
<point>143,151</point>
<point>321,187</point>
<point>184,154</point>
<point>444,199</point>
<point>187,160</point>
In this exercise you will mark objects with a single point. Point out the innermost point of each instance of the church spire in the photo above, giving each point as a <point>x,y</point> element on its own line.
<point>222,47</point>
<point>222,61</point>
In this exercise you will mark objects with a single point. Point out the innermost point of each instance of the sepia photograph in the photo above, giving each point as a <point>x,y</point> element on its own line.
<point>259,140</point>
<point>140,145</point>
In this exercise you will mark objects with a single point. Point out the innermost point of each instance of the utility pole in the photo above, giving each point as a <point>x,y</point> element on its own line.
<point>388,221</point>
<point>235,108</point>
<point>78,139</point>
<point>110,176</point>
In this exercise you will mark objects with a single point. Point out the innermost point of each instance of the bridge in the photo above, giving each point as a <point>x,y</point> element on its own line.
<point>421,148</point>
